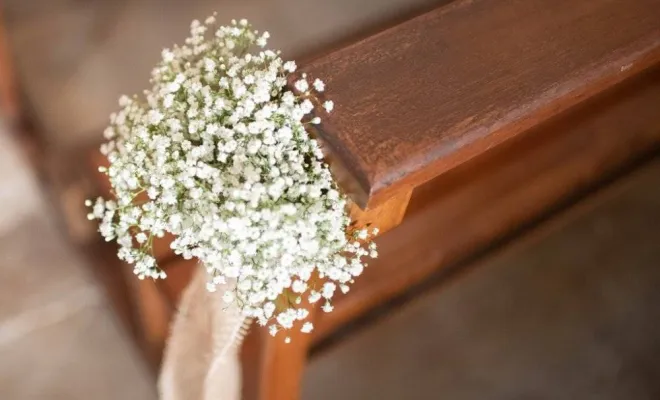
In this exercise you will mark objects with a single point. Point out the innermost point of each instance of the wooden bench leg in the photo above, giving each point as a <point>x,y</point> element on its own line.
<point>273,369</point>
<point>153,314</point>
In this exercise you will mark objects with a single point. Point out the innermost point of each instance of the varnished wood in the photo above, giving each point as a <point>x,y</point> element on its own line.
<point>455,216</point>
<point>154,314</point>
<point>424,96</point>
<point>272,368</point>
<point>385,216</point>
<point>179,274</point>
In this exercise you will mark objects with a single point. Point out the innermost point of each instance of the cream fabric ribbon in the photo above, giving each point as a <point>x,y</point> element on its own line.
<point>201,360</point>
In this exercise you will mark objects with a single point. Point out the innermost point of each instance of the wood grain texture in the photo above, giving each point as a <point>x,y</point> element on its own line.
<point>455,216</point>
<point>420,98</point>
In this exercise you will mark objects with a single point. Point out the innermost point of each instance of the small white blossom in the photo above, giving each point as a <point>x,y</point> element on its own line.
<point>155,117</point>
<point>272,330</point>
<point>299,286</point>
<point>319,86</point>
<point>167,55</point>
<point>328,290</point>
<point>328,105</point>
<point>263,40</point>
<point>314,296</point>
<point>327,307</point>
<point>289,66</point>
<point>228,297</point>
<point>307,327</point>
<point>141,237</point>
<point>301,85</point>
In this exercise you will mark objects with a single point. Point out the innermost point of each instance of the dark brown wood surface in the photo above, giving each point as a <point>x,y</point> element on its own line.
<point>422,97</point>
<point>179,273</point>
<point>273,369</point>
<point>385,216</point>
<point>459,214</point>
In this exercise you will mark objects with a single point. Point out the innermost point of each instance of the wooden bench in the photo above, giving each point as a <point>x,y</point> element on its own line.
<point>457,129</point>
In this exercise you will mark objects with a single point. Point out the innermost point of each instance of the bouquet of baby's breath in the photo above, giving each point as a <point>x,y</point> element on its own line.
<point>217,154</point>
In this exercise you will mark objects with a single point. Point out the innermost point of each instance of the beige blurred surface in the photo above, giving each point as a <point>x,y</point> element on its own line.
<point>75,58</point>
<point>84,356</point>
<point>59,339</point>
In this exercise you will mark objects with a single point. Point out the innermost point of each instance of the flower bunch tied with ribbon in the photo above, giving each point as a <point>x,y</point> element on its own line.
<point>218,154</point>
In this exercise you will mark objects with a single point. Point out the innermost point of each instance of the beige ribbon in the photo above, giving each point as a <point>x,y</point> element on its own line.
<point>201,357</point>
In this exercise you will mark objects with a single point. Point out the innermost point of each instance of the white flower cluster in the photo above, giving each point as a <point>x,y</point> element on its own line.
<point>217,154</point>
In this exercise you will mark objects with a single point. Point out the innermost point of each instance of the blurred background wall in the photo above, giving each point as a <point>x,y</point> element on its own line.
<point>75,57</point>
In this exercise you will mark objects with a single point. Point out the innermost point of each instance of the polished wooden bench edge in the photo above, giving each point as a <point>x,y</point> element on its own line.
<point>381,159</point>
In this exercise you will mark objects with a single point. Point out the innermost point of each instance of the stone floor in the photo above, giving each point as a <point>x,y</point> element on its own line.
<point>59,339</point>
